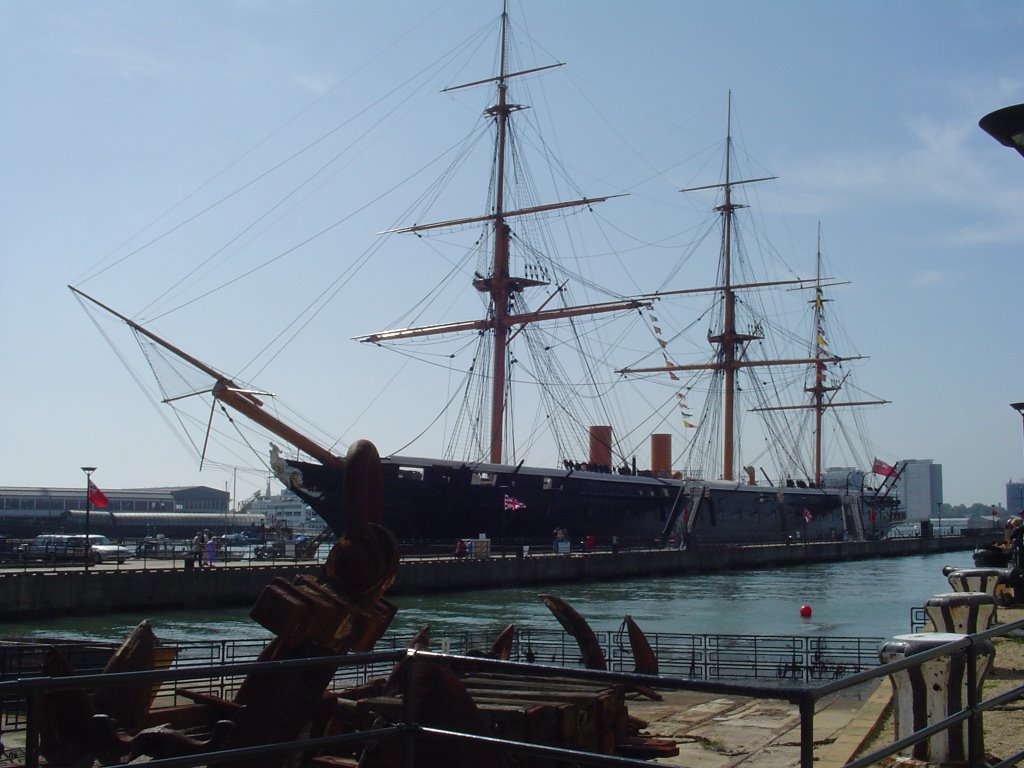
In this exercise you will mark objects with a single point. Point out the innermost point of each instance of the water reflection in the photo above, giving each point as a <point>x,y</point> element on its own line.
<point>868,598</point>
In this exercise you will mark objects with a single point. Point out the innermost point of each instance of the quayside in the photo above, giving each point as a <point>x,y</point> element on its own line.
<point>58,592</point>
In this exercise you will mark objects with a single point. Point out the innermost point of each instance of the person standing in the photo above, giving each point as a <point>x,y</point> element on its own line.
<point>211,549</point>
<point>197,549</point>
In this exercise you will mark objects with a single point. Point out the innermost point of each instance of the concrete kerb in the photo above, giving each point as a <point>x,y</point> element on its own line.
<point>850,740</point>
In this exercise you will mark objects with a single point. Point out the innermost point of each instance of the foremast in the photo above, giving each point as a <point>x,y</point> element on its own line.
<point>500,285</point>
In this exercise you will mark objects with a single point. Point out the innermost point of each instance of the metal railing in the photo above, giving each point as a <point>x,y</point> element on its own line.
<point>785,659</point>
<point>971,713</point>
<point>697,656</point>
<point>221,679</point>
<point>174,554</point>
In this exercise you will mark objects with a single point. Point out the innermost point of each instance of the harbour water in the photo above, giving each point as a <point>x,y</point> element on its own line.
<point>868,598</point>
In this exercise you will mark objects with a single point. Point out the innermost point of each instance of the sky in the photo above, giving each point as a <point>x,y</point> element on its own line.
<point>152,152</point>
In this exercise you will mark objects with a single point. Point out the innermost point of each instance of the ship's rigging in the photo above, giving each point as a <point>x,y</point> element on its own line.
<point>530,320</point>
<point>508,314</point>
<point>733,353</point>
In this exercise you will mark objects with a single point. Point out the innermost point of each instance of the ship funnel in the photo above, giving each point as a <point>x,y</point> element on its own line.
<point>750,475</point>
<point>661,455</point>
<point>601,447</point>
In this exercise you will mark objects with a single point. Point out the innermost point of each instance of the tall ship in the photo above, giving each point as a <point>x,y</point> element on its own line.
<point>712,500</point>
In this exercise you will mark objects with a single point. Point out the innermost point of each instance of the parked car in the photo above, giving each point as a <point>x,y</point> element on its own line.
<point>59,547</point>
<point>48,546</point>
<point>101,548</point>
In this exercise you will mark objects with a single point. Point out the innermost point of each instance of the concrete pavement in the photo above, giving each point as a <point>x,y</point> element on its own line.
<point>715,731</point>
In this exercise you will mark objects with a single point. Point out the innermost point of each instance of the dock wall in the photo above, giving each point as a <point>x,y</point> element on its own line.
<point>28,594</point>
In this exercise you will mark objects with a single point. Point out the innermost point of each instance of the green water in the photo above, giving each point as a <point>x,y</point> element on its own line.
<point>869,598</point>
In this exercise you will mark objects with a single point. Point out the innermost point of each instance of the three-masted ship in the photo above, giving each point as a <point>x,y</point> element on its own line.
<point>606,495</point>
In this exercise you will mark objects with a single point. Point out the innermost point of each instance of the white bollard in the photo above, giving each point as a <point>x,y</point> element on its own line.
<point>963,612</point>
<point>932,691</point>
<point>976,580</point>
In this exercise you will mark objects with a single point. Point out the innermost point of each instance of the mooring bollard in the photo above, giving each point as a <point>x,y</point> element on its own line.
<point>932,691</point>
<point>976,579</point>
<point>963,612</point>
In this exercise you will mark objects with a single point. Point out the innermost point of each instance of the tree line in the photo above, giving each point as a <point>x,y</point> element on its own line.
<point>974,510</point>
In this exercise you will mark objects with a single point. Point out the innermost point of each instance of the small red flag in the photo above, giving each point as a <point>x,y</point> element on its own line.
<point>96,497</point>
<point>879,467</point>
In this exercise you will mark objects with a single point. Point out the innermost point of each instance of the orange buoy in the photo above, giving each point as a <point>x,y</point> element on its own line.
<point>805,611</point>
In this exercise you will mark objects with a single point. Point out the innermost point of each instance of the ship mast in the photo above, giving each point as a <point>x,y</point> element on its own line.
<point>819,389</point>
<point>728,341</point>
<point>500,285</point>
<point>819,404</point>
<point>730,344</point>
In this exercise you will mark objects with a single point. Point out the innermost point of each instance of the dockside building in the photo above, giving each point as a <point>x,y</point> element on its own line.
<point>130,512</point>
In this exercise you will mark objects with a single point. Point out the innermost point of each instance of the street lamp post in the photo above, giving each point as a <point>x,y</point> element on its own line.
<point>88,487</point>
<point>1006,126</point>
<point>1019,408</point>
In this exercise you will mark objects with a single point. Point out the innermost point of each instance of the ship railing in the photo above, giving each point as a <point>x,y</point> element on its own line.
<point>807,696</point>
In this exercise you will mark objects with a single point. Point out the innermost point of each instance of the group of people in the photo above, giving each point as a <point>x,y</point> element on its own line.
<point>204,550</point>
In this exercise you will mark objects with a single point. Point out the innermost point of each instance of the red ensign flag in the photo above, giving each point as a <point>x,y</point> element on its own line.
<point>96,497</point>
<point>879,467</point>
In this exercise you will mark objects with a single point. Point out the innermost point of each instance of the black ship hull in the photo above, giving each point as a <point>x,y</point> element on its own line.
<point>426,500</point>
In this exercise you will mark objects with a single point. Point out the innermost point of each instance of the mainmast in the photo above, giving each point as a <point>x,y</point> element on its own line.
<point>729,343</point>
<point>819,389</point>
<point>728,340</point>
<point>500,285</point>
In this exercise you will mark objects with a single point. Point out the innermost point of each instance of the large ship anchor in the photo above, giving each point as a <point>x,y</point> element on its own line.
<point>341,610</point>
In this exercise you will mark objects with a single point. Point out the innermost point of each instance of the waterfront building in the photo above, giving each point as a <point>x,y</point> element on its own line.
<point>919,489</point>
<point>26,512</point>
<point>1014,496</point>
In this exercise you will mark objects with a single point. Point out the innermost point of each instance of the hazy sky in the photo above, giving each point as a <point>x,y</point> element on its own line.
<point>131,131</point>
